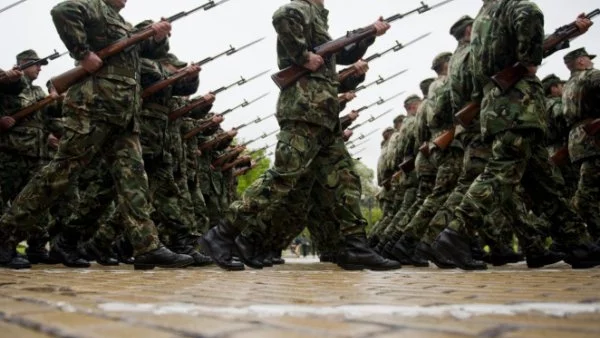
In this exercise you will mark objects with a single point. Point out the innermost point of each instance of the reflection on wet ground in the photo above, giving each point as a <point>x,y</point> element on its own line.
<point>302,298</point>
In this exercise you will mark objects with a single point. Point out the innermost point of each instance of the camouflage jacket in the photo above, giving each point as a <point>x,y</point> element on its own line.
<point>439,110</point>
<point>461,88</point>
<point>113,93</point>
<point>406,143</point>
<point>581,103</point>
<point>558,131</point>
<point>422,134</point>
<point>29,136</point>
<point>302,25</point>
<point>506,32</point>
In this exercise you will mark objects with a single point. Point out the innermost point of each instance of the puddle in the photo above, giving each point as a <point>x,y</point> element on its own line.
<point>459,311</point>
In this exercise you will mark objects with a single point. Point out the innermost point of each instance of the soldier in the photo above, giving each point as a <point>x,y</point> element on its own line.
<point>310,150</point>
<point>102,112</point>
<point>581,100</point>
<point>504,33</point>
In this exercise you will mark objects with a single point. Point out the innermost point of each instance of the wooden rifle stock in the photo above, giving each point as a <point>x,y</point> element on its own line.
<point>466,115</point>
<point>171,80</point>
<point>237,162</point>
<point>424,149</point>
<point>219,161</point>
<point>208,145</point>
<point>196,103</point>
<point>23,113</point>
<point>443,141</point>
<point>408,165</point>
<point>592,128</point>
<point>199,129</point>
<point>561,157</point>
<point>242,171</point>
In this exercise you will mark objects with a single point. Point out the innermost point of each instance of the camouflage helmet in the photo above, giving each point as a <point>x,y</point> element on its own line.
<point>29,55</point>
<point>550,81</point>
<point>425,84</point>
<point>458,28</point>
<point>388,131</point>
<point>399,119</point>
<point>440,59</point>
<point>573,55</point>
<point>413,98</point>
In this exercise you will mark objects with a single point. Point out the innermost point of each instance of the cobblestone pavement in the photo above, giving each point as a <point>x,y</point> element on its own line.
<point>299,299</point>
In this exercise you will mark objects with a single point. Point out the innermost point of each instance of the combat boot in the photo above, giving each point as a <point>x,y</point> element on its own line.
<point>502,255</point>
<point>457,249</point>
<point>182,244</point>
<point>9,257</point>
<point>218,243</point>
<point>356,255</point>
<point>404,251</point>
<point>63,248</point>
<point>247,248</point>
<point>327,257</point>
<point>124,251</point>
<point>584,255</point>
<point>37,253</point>
<point>373,241</point>
<point>540,259</point>
<point>277,260</point>
<point>426,251</point>
<point>162,258</point>
<point>90,251</point>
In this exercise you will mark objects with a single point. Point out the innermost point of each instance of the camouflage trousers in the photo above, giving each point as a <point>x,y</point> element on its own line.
<point>312,166</point>
<point>425,176</point>
<point>123,153</point>
<point>387,204</point>
<point>198,203</point>
<point>587,196</point>
<point>497,226</point>
<point>216,199</point>
<point>517,158</point>
<point>448,164</point>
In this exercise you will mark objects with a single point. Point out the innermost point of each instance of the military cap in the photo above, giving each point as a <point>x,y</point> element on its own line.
<point>460,25</point>
<point>174,61</point>
<point>440,59</point>
<point>550,81</point>
<point>424,85</point>
<point>388,130</point>
<point>571,56</point>
<point>411,99</point>
<point>399,119</point>
<point>29,55</point>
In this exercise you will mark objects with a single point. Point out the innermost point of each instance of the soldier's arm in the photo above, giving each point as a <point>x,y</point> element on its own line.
<point>350,83</point>
<point>290,33</point>
<point>187,86</point>
<point>13,87</point>
<point>151,49</point>
<point>151,72</point>
<point>353,52</point>
<point>528,23</point>
<point>70,19</point>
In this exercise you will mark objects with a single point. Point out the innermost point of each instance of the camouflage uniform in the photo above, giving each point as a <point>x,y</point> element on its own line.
<point>101,118</point>
<point>503,33</point>
<point>581,99</point>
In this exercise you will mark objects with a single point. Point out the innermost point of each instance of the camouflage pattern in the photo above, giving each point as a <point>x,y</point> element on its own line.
<point>581,101</point>
<point>300,26</point>
<point>101,118</point>
<point>506,32</point>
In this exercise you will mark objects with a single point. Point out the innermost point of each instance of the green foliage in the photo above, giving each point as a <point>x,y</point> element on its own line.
<point>245,180</point>
<point>376,215</point>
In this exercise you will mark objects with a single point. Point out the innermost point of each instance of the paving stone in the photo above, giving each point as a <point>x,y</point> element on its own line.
<point>13,330</point>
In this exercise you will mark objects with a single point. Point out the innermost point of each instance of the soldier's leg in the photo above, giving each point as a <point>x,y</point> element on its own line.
<point>587,197</point>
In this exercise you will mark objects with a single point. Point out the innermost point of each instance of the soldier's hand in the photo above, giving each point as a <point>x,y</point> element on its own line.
<point>54,94</point>
<point>7,122</point>
<point>532,70</point>
<point>13,75</point>
<point>232,133</point>
<point>218,119</point>
<point>53,141</point>
<point>583,23</point>
<point>161,29</point>
<point>198,152</point>
<point>360,67</point>
<point>353,115</point>
<point>210,97</point>
<point>381,26</point>
<point>192,70</point>
<point>314,62</point>
<point>349,96</point>
<point>91,62</point>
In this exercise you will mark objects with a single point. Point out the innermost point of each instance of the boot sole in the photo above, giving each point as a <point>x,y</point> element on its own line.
<point>206,249</point>
<point>446,253</point>
<point>18,266</point>
<point>152,266</point>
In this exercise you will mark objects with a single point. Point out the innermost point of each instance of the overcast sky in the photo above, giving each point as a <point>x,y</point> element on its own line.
<point>239,21</point>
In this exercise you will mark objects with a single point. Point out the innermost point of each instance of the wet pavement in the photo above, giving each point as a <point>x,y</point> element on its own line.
<point>302,298</point>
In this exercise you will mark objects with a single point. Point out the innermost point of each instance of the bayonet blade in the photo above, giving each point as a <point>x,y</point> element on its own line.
<point>244,80</point>
<point>246,103</point>
<point>234,50</point>
<point>427,8</point>
<point>401,45</point>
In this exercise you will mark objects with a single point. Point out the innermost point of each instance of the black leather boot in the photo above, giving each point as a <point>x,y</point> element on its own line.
<point>457,249</point>
<point>10,259</point>
<point>373,241</point>
<point>426,251</point>
<point>218,243</point>
<point>502,255</point>
<point>540,259</point>
<point>327,257</point>
<point>64,250</point>
<point>90,251</point>
<point>580,256</point>
<point>277,260</point>
<point>37,253</point>
<point>268,258</point>
<point>183,244</point>
<point>404,251</point>
<point>124,251</point>
<point>248,250</point>
<point>356,255</point>
<point>162,258</point>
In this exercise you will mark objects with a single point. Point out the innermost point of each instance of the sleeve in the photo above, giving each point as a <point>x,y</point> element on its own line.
<point>151,73</point>
<point>13,88</point>
<point>288,24</point>
<point>528,23</point>
<point>353,52</point>
<point>186,86</point>
<point>70,19</point>
<point>350,83</point>
<point>151,49</point>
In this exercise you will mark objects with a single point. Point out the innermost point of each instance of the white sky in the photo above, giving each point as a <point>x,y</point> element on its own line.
<point>239,21</point>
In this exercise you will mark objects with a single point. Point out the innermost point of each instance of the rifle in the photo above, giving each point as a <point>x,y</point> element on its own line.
<point>464,117</point>
<point>237,150</point>
<point>288,76</point>
<point>346,72</point>
<point>352,146</point>
<point>160,85</point>
<point>63,81</point>
<point>395,176</point>
<point>210,123</point>
<point>358,152</point>
<point>11,6</point>
<point>209,145</point>
<point>241,160</point>
<point>592,128</point>
<point>371,119</point>
<point>378,102</point>
<point>561,157</point>
<point>200,102</point>
<point>26,65</point>
<point>362,136</point>
<point>380,80</point>
<point>408,165</point>
<point>508,77</point>
<point>21,114</point>
<point>253,164</point>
